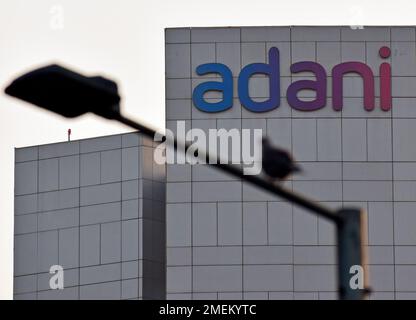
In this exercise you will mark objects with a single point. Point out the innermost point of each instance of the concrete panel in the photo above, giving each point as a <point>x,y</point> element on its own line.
<point>379,140</point>
<point>253,53</point>
<point>216,255</point>
<point>100,144</point>
<point>367,190</point>
<point>201,53</point>
<point>69,248</point>
<point>65,294</point>
<point>110,166</point>
<point>216,191</point>
<point>314,255</point>
<point>204,224</point>
<point>130,163</point>
<point>178,35</point>
<point>179,256</point>
<point>89,245</point>
<point>56,200</point>
<point>280,133</point>
<point>178,192</point>
<point>48,175</point>
<point>25,154</point>
<point>365,34</point>
<point>69,174</point>
<point>178,109</point>
<point>100,194</point>
<point>354,140</point>
<point>178,89</point>
<point>256,255</point>
<point>367,171</point>
<point>230,223</point>
<point>402,34</point>
<point>130,209</point>
<point>279,223</point>
<point>229,54</point>
<point>26,178</point>
<point>382,277</point>
<point>90,168</point>
<point>217,278</point>
<point>380,223</point>
<point>101,291</point>
<point>58,219</point>
<point>329,139</point>
<point>305,227</point>
<point>100,213</point>
<point>25,204</point>
<point>177,57</point>
<point>25,223</point>
<point>315,34</point>
<point>55,150</point>
<point>265,34</point>
<point>268,278</point>
<point>103,273</point>
<point>25,254</point>
<point>179,279</point>
<point>130,240</point>
<point>314,277</point>
<point>133,189</point>
<point>178,224</point>
<point>130,289</point>
<point>304,139</point>
<point>404,223</point>
<point>403,58</point>
<point>255,223</point>
<point>24,284</point>
<point>215,34</point>
<point>130,269</point>
<point>110,242</point>
<point>47,250</point>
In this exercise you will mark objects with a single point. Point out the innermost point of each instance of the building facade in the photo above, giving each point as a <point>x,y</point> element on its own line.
<point>96,208</point>
<point>354,141</point>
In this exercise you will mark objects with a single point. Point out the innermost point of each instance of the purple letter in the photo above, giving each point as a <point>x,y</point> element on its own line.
<point>368,79</point>
<point>319,85</point>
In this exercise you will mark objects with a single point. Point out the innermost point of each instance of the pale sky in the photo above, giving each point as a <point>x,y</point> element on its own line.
<point>125,40</point>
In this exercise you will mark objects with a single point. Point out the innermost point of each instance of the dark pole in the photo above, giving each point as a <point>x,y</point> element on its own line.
<point>351,236</point>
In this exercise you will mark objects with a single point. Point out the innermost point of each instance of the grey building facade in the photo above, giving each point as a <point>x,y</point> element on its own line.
<point>227,239</point>
<point>96,207</point>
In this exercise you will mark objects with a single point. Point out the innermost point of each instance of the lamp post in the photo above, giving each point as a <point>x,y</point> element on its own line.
<point>71,94</point>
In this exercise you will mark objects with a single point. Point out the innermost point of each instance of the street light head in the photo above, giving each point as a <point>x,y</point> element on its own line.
<point>67,93</point>
<point>277,163</point>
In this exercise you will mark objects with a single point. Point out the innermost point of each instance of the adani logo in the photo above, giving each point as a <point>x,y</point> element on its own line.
<point>272,71</point>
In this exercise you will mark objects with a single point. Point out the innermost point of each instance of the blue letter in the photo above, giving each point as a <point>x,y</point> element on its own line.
<point>273,71</point>
<point>226,86</point>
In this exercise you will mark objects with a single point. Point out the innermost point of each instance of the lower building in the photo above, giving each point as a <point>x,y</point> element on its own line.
<point>96,208</point>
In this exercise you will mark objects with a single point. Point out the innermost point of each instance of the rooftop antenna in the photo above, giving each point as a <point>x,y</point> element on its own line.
<point>69,134</point>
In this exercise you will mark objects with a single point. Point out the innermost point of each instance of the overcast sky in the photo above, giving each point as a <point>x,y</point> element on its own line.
<point>125,40</point>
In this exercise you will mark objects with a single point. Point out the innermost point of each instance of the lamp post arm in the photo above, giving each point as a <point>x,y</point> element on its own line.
<point>236,171</point>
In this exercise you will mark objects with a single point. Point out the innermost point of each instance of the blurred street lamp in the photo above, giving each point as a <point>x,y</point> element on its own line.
<point>71,94</point>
